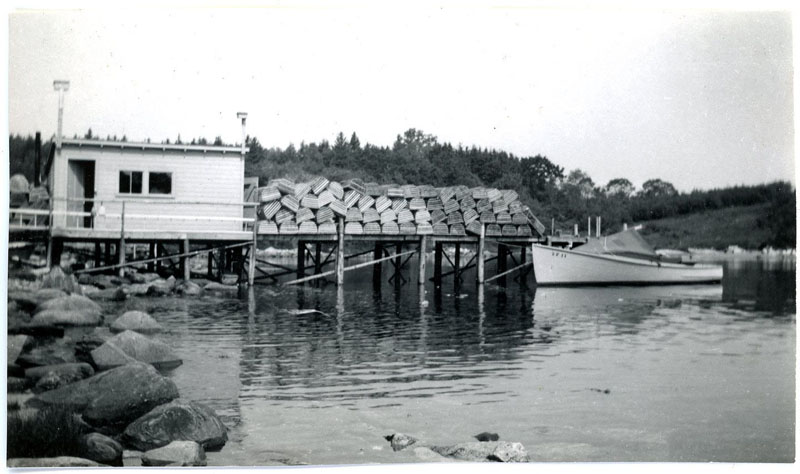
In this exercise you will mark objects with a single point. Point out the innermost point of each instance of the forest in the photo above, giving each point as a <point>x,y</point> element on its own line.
<point>567,197</point>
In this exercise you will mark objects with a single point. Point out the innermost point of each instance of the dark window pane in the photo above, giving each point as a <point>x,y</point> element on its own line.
<point>124,182</point>
<point>160,183</point>
<point>136,182</point>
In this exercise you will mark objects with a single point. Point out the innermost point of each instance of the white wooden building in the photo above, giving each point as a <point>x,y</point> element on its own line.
<point>165,188</point>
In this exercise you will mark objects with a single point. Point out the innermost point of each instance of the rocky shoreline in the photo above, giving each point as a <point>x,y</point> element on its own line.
<point>101,375</point>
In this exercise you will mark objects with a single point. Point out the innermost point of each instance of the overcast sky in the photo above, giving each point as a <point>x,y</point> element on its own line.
<point>699,98</point>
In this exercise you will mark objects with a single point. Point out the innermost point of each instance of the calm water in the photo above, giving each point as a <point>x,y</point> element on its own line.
<point>674,373</point>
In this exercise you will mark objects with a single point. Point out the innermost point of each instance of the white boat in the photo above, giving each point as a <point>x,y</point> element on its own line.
<point>619,259</point>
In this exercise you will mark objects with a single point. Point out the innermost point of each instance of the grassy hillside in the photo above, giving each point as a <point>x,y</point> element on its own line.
<point>744,226</point>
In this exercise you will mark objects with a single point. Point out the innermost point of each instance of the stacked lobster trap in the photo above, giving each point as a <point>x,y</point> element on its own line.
<point>288,208</point>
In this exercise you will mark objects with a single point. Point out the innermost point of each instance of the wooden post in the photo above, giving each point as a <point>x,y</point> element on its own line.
<point>301,259</point>
<point>121,249</point>
<point>97,253</point>
<point>457,262</point>
<point>597,230</point>
<point>251,267</point>
<point>50,234</point>
<point>159,265</point>
<point>318,258</point>
<point>423,250</point>
<point>185,263</point>
<point>479,257</point>
<point>437,264</point>
<point>340,255</point>
<point>210,269</point>
<point>589,227</point>
<point>151,267</point>
<point>55,248</point>
<point>502,262</point>
<point>377,268</point>
<point>107,253</point>
<point>221,263</point>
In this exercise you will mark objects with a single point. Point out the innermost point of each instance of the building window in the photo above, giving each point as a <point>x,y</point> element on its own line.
<point>160,183</point>
<point>130,182</point>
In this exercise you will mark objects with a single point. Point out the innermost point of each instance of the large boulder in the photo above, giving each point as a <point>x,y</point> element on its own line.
<point>57,317</point>
<point>400,441</point>
<point>177,421</point>
<point>15,346</point>
<point>57,279</point>
<point>137,289</point>
<point>138,321</point>
<point>60,461</point>
<point>140,348</point>
<point>214,286</point>
<point>100,448</point>
<point>109,356</point>
<point>177,453</point>
<point>71,303</point>
<point>114,398</point>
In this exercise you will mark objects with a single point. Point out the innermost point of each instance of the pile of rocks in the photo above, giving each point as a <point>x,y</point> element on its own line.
<point>488,448</point>
<point>108,287</point>
<point>65,352</point>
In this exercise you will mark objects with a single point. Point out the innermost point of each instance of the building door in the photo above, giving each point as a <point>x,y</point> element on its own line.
<point>80,186</point>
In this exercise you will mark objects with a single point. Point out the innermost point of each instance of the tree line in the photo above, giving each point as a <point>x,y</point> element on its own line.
<point>568,198</point>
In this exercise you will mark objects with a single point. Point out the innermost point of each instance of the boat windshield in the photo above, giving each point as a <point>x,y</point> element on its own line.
<point>627,243</point>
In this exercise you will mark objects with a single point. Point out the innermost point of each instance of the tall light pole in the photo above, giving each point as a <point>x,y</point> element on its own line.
<point>61,87</point>
<point>243,117</point>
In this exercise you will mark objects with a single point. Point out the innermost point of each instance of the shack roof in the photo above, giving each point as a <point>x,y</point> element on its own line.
<point>80,143</point>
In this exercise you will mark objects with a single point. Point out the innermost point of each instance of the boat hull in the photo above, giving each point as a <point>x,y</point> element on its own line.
<point>555,266</point>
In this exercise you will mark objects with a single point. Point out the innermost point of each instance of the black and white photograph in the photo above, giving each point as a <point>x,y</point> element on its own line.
<point>431,235</point>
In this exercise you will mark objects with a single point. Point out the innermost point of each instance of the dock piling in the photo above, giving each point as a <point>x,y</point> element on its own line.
<point>423,243</point>
<point>340,254</point>
<point>479,255</point>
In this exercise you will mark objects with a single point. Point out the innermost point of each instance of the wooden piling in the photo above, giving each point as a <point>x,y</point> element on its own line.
<point>377,268</point>
<point>479,256</point>
<point>185,263</point>
<point>423,244</point>
<point>301,259</point>
<point>318,258</point>
<point>210,265</point>
<point>107,253</point>
<point>151,267</point>
<point>97,253</point>
<point>457,263</point>
<point>502,262</point>
<point>121,249</point>
<point>437,264</point>
<point>340,254</point>
<point>251,267</point>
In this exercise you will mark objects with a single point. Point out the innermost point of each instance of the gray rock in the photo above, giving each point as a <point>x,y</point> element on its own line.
<point>78,370</point>
<point>177,421</point>
<point>114,398</point>
<point>400,441</point>
<point>58,317</point>
<point>60,461</point>
<point>15,346</point>
<point>61,281</point>
<point>49,354</point>
<point>177,453</point>
<point>109,294</point>
<point>140,348</point>
<point>138,321</point>
<point>54,376</point>
<point>100,448</point>
<point>428,455</point>
<point>188,288</point>
<point>171,281</point>
<point>109,356</point>
<point>214,286</point>
<point>106,281</point>
<point>229,279</point>
<point>502,451</point>
<point>509,452</point>
<point>137,289</point>
<point>71,303</point>
<point>85,279</point>
<point>159,288</point>
<point>486,436</point>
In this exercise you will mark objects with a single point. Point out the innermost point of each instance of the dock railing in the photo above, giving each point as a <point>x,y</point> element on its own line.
<point>135,215</point>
